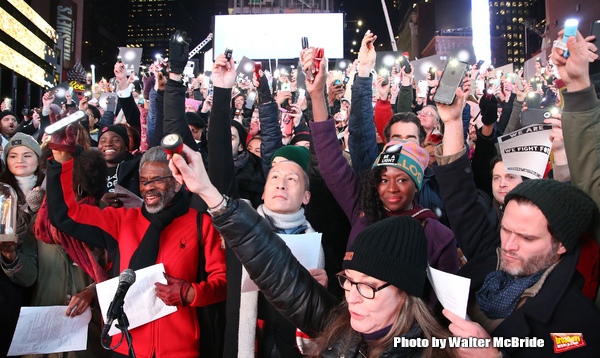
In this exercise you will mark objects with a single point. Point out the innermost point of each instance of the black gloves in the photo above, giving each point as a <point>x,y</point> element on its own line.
<point>489,109</point>
<point>264,92</point>
<point>179,49</point>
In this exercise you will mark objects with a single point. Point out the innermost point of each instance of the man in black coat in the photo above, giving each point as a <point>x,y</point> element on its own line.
<point>524,281</point>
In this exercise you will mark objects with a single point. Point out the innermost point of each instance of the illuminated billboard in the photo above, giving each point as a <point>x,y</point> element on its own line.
<point>23,66</point>
<point>19,32</point>
<point>35,18</point>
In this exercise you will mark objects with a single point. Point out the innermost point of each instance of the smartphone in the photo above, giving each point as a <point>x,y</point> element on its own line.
<point>301,94</point>
<point>432,72</point>
<point>286,86</point>
<point>534,84</point>
<point>337,82</point>
<point>257,68</point>
<point>452,77</point>
<point>479,63</point>
<point>250,100</point>
<point>534,100</point>
<point>534,115</point>
<point>422,88</point>
<point>403,62</point>
<point>288,124</point>
<point>516,80</point>
<point>304,41</point>
<point>480,85</point>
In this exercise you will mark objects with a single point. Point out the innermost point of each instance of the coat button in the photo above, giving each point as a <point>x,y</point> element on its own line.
<point>468,170</point>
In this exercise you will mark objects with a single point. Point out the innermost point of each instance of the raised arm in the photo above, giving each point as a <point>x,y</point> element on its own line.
<point>174,119</point>
<point>468,219</point>
<point>581,117</point>
<point>362,138</point>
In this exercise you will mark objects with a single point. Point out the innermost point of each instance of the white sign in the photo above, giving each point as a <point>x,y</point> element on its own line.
<point>526,151</point>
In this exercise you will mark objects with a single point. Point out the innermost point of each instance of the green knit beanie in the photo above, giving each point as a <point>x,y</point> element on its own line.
<point>393,250</point>
<point>569,211</point>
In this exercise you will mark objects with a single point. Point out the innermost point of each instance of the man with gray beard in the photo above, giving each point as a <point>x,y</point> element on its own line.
<point>164,230</point>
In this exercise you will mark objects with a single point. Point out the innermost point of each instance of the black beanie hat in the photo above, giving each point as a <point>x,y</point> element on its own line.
<point>8,113</point>
<point>241,132</point>
<point>570,212</point>
<point>393,250</point>
<point>300,137</point>
<point>194,120</point>
<point>120,130</point>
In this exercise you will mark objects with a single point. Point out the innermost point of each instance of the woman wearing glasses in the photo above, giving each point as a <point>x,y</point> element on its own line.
<point>384,277</point>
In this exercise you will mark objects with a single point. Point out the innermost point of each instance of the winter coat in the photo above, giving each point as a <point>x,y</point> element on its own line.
<point>559,306</point>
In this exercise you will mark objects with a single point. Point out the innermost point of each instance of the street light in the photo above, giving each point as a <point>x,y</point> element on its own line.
<point>359,22</point>
<point>354,42</point>
<point>357,30</point>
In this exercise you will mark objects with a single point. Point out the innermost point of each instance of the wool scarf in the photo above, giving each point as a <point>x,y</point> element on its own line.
<point>501,292</point>
<point>26,183</point>
<point>147,252</point>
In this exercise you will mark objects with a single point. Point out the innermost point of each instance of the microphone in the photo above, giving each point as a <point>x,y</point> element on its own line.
<point>126,279</point>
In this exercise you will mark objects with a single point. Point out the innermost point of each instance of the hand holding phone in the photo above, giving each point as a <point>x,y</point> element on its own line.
<point>451,79</point>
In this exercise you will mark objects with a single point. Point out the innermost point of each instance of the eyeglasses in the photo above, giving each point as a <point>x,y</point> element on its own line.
<point>430,114</point>
<point>364,289</point>
<point>147,182</point>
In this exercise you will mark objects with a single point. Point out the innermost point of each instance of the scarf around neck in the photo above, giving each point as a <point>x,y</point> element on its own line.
<point>501,292</point>
<point>147,252</point>
<point>295,223</point>
<point>26,183</point>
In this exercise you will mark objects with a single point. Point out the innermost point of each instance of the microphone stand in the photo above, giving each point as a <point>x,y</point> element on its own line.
<point>123,325</point>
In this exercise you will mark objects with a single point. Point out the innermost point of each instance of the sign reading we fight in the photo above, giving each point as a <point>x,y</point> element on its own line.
<point>525,152</point>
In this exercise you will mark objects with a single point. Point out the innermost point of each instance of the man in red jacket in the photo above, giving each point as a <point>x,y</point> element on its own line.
<point>165,230</point>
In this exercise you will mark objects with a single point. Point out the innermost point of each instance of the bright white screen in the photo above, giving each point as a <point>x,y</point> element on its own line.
<point>278,35</point>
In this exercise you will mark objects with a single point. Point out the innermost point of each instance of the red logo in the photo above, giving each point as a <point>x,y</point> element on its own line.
<point>566,341</point>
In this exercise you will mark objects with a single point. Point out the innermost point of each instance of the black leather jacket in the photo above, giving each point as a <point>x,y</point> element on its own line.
<point>286,284</point>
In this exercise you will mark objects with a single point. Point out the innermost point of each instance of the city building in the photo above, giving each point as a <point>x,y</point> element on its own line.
<point>27,54</point>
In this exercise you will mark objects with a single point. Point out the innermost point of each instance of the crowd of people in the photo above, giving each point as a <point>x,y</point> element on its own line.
<point>393,181</point>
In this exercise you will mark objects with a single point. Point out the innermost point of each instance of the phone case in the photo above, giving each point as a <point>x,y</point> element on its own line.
<point>452,77</point>
<point>534,116</point>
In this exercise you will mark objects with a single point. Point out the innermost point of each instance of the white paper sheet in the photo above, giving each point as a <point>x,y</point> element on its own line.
<point>133,201</point>
<point>141,304</point>
<point>46,329</point>
<point>451,290</point>
<point>525,152</point>
<point>305,247</point>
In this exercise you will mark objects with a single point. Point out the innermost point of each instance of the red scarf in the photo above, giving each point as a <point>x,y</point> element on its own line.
<point>80,253</point>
